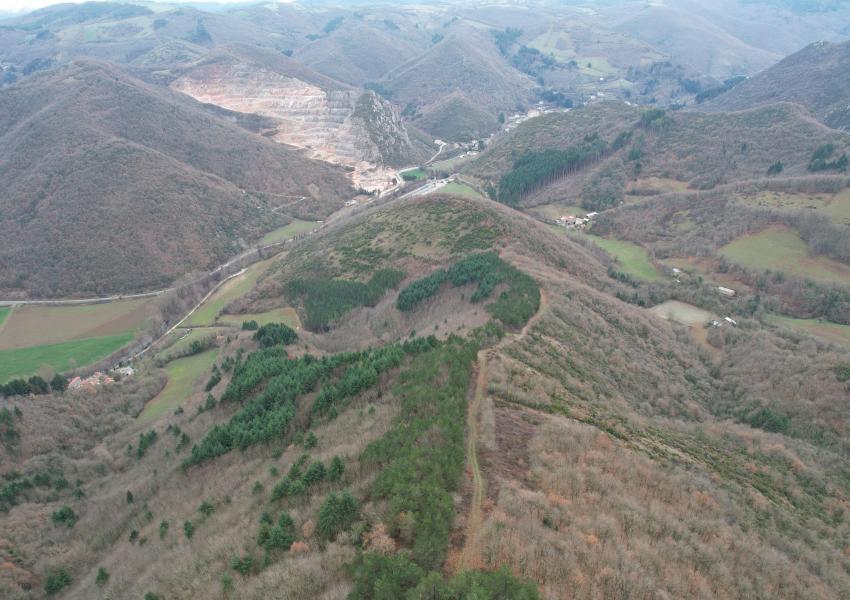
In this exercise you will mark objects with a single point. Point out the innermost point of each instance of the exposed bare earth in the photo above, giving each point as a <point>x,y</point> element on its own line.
<point>324,122</point>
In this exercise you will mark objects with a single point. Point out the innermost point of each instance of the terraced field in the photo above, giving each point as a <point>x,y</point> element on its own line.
<point>780,248</point>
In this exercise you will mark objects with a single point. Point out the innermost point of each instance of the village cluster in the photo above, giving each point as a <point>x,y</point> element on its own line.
<point>99,378</point>
<point>574,222</point>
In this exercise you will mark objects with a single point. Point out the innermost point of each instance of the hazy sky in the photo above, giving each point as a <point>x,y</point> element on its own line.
<point>18,5</point>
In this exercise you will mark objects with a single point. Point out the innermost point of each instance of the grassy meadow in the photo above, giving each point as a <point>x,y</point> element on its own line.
<point>38,324</point>
<point>780,248</point>
<point>65,337</point>
<point>289,231</point>
<point>632,259</point>
<point>22,362</point>
<point>834,206</point>
<point>831,332</point>
<point>460,189</point>
<point>230,291</point>
<point>415,175</point>
<point>183,375</point>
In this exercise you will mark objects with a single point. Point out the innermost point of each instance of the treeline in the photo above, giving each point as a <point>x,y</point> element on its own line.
<point>274,334</point>
<point>534,170</point>
<point>514,306</point>
<point>423,454</point>
<point>822,160</point>
<point>268,414</point>
<point>34,385</point>
<point>710,93</point>
<point>326,300</point>
<point>423,459</point>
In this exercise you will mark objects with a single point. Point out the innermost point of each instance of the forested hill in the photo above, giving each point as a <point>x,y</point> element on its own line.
<point>114,185</point>
<point>554,152</point>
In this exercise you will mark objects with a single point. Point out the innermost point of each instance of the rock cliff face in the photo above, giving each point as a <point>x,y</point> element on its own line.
<point>334,123</point>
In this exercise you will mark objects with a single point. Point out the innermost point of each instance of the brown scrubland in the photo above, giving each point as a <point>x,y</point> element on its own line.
<point>621,458</point>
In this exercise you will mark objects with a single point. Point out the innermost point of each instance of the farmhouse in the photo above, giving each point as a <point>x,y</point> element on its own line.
<point>571,221</point>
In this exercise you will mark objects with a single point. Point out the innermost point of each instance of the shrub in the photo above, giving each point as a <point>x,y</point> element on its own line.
<point>336,469</point>
<point>769,420</point>
<point>213,381</point>
<point>206,509</point>
<point>226,582</point>
<point>776,168</point>
<point>64,516</point>
<point>146,440</point>
<point>56,580</point>
<point>314,473</point>
<point>242,564</point>
<point>102,576</point>
<point>337,514</point>
<point>280,536</point>
<point>163,529</point>
<point>188,529</point>
<point>250,325</point>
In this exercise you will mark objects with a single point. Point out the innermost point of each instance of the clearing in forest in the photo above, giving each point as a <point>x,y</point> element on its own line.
<point>780,248</point>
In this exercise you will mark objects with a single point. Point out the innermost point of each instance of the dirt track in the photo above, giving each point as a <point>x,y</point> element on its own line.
<point>469,555</point>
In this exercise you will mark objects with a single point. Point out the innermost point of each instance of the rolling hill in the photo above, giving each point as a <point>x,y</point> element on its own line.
<point>537,416</point>
<point>361,51</point>
<point>161,35</point>
<point>815,77</point>
<point>115,185</point>
<point>694,40</point>
<point>698,150</point>
<point>467,62</point>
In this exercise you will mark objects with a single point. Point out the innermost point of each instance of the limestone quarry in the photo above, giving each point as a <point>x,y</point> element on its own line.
<point>334,123</point>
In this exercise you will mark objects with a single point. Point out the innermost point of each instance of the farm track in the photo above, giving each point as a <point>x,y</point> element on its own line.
<point>469,557</point>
